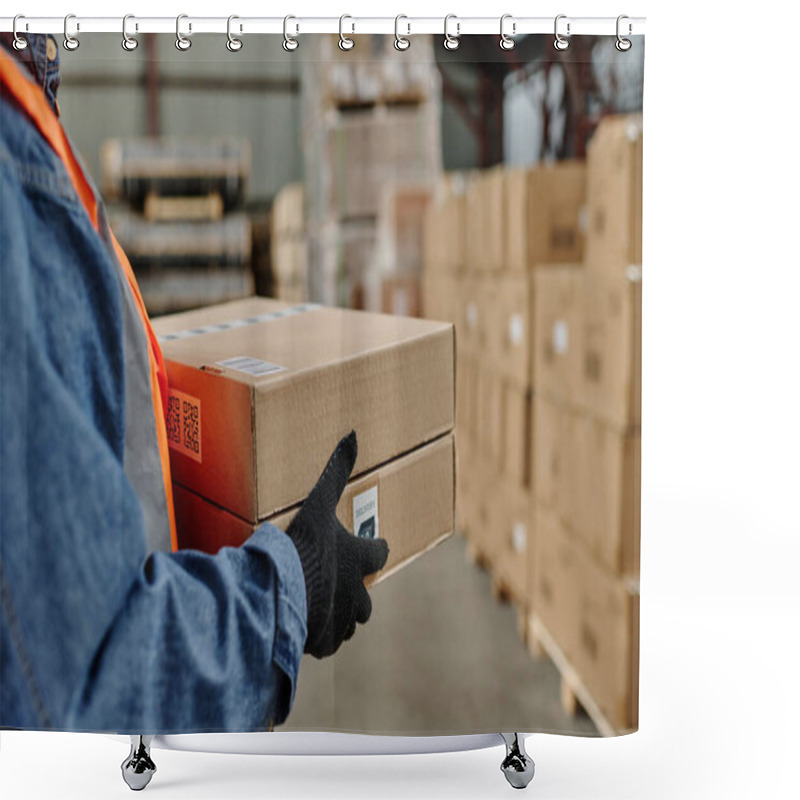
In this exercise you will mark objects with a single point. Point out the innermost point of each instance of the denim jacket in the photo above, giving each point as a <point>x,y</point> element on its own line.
<point>95,633</point>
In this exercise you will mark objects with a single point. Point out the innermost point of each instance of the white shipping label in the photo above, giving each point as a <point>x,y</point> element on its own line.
<point>184,425</point>
<point>365,514</point>
<point>516,329</point>
<point>519,537</point>
<point>250,366</point>
<point>560,337</point>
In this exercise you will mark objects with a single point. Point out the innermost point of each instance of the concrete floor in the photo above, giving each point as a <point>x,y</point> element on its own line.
<point>438,656</point>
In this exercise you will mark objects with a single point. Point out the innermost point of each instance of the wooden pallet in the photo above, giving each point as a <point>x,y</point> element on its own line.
<point>476,556</point>
<point>573,691</point>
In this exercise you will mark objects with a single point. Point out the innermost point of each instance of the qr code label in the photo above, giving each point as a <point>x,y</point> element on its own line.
<point>184,425</point>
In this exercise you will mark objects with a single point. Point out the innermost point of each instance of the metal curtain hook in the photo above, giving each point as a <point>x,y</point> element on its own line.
<point>345,42</point>
<point>623,45</point>
<point>401,42</point>
<point>561,43</point>
<point>70,42</point>
<point>290,43</point>
<point>233,44</point>
<point>20,42</point>
<point>451,42</point>
<point>181,42</point>
<point>129,43</point>
<point>506,42</point>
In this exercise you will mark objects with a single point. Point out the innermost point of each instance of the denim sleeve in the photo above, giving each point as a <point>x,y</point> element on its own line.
<point>94,633</point>
<point>201,643</point>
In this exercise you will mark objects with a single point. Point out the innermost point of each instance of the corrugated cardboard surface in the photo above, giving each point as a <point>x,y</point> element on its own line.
<point>416,507</point>
<point>263,439</point>
<point>556,196</point>
<point>606,499</point>
<point>543,209</point>
<point>513,532</point>
<point>614,194</point>
<point>558,331</point>
<point>611,381</point>
<point>593,615</point>
<point>517,435</point>
<point>510,327</point>
<point>587,474</point>
<point>553,483</point>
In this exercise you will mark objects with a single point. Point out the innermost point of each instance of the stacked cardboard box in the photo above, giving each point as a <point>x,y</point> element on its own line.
<point>487,234</point>
<point>289,247</point>
<point>540,270</point>
<point>260,393</point>
<point>587,453</point>
<point>371,124</point>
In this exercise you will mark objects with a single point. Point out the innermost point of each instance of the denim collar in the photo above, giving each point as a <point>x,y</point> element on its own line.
<point>34,59</point>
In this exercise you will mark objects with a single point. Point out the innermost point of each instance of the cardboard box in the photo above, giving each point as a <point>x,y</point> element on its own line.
<point>444,226</point>
<point>510,333</point>
<point>490,438</point>
<point>413,497</point>
<point>594,618</point>
<point>474,226</point>
<point>475,303</point>
<point>516,218</point>
<point>494,212</point>
<point>439,297</point>
<point>453,232</point>
<point>482,530</point>
<point>261,392</point>
<point>543,211</point>
<point>611,380</point>
<point>556,199</point>
<point>518,436</point>
<point>614,195</point>
<point>606,502</point>
<point>513,533</point>
<point>466,397</point>
<point>558,322</point>
<point>485,205</point>
<point>554,480</point>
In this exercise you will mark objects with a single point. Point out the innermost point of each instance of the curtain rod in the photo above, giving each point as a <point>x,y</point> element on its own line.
<point>348,25</point>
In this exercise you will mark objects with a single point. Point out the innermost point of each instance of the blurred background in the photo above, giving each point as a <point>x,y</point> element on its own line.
<point>499,190</point>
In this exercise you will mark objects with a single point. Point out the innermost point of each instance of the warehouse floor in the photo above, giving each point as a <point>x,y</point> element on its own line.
<point>439,655</point>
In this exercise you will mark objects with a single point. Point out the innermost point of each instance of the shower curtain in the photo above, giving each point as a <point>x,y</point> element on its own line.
<point>423,263</point>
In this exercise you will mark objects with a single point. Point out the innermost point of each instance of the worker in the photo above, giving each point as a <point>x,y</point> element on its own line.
<point>105,625</point>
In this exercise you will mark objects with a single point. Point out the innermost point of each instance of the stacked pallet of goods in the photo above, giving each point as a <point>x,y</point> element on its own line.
<point>587,442</point>
<point>174,206</point>
<point>372,156</point>
<point>539,269</point>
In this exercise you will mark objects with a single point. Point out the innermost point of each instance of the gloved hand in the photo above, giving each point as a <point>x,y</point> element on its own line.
<point>334,561</point>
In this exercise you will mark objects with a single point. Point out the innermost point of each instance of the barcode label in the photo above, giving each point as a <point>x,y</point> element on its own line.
<point>251,366</point>
<point>184,425</point>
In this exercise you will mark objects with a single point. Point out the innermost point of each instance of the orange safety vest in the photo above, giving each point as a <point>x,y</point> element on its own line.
<point>30,98</point>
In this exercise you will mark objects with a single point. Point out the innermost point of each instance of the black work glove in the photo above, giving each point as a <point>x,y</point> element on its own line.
<point>334,561</point>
